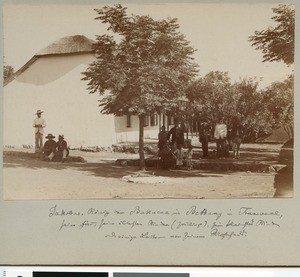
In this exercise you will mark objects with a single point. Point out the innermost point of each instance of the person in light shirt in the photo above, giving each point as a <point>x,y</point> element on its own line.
<point>220,135</point>
<point>39,124</point>
<point>189,157</point>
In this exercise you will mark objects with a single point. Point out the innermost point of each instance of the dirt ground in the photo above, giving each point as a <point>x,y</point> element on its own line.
<point>100,178</point>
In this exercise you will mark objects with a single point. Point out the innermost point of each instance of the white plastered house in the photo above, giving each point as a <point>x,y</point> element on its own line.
<point>51,81</point>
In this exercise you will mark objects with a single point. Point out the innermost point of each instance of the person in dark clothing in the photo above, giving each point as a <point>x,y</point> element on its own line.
<point>237,137</point>
<point>172,135</point>
<point>162,139</point>
<point>167,158</point>
<point>62,148</point>
<point>49,148</point>
<point>204,137</point>
<point>180,136</point>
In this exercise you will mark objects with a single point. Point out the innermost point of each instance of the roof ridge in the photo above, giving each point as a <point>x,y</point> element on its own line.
<point>68,44</point>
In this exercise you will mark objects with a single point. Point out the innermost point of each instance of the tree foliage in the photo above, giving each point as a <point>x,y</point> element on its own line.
<point>215,97</point>
<point>143,67</point>
<point>208,95</point>
<point>250,110</point>
<point>147,70</point>
<point>277,43</point>
<point>8,72</point>
<point>279,100</point>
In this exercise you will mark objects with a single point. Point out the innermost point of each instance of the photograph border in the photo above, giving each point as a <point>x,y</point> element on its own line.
<point>26,224</point>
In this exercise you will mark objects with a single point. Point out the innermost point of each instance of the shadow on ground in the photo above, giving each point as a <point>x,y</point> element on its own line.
<point>101,168</point>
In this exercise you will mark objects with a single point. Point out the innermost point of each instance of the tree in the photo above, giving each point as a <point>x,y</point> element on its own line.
<point>279,100</point>
<point>277,43</point>
<point>209,96</point>
<point>144,68</point>
<point>250,110</point>
<point>214,97</point>
<point>8,72</point>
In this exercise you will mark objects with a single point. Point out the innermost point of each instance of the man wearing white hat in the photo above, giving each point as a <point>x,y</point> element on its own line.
<point>39,124</point>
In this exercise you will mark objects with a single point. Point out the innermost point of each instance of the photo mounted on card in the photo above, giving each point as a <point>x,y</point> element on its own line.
<point>158,102</point>
<point>141,125</point>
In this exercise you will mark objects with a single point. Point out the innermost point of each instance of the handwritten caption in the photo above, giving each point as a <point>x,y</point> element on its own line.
<point>192,223</point>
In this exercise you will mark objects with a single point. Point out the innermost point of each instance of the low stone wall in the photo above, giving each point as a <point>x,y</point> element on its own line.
<point>133,149</point>
<point>119,148</point>
<point>215,166</point>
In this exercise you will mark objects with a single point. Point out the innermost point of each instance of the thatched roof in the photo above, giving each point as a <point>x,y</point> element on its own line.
<point>65,46</point>
<point>68,45</point>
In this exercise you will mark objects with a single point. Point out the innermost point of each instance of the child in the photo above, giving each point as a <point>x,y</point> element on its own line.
<point>179,156</point>
<point>188,156</point>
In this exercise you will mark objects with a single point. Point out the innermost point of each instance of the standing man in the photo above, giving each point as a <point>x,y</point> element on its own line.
<point>204,137</point>
<point>220,135</point>
<point>173,134</point>
<point>180,135</point>
<point>162,139</point>
<point>39,124</point>
<point>237,137</point>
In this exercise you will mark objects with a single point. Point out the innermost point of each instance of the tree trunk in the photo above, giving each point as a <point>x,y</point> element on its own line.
<point>141,142</point>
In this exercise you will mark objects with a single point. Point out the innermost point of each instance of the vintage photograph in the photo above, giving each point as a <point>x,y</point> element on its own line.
<point>148,101</point>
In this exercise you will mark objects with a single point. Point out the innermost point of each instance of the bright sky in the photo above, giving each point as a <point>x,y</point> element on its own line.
<point>219,31</point>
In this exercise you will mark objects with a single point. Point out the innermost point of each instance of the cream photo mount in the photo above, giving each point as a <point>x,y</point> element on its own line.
<point>159,232</point>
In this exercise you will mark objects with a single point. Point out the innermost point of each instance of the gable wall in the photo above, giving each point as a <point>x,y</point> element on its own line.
<point>53,85</point>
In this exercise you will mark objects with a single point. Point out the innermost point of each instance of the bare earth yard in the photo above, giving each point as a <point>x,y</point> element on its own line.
<point>101,178</point>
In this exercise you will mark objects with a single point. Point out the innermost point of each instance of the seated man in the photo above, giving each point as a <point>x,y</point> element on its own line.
<point>62,148</point>
<point>49,148</point>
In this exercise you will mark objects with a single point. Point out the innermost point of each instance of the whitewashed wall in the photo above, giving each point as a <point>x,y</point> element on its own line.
<point>131,133</point>
<point>53,85</point>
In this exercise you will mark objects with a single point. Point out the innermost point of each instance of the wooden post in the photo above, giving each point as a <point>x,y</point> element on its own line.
<point>167,123</point>
<point>159,122</point>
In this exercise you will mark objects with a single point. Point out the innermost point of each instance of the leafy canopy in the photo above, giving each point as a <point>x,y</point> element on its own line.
<point>277,43</point>
<point>144,67</point>
<point>8,73</point>
<point>214,97</point>
<point>279,100</point>
<point>209,95</point>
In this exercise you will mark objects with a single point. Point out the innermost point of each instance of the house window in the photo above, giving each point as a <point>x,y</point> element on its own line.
<point>128,119</point>
<point>146,122</point>
<point>153,119</point>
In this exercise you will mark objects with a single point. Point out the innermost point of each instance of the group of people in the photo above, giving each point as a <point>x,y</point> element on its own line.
<point>51,149</point>
<point>226,138</point>
<point>170,143</point>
